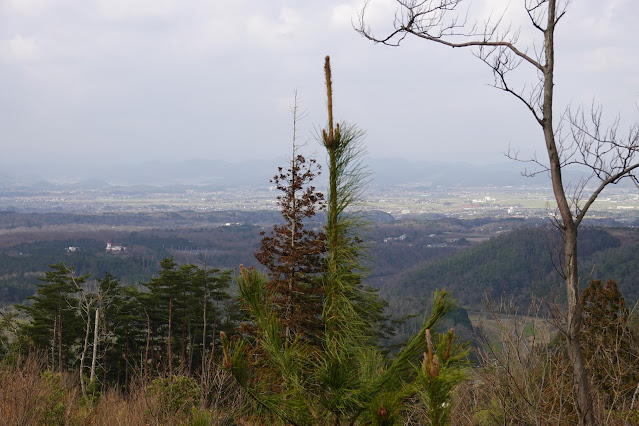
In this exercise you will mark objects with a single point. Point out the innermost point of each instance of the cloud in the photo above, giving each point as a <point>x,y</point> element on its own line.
<point>284,31</point>
<point>606,59</point>
<point>135,74</point>
<point>343,16</point>
<point>120,10</point>
<point>28,7</point>
<point>19,50</point>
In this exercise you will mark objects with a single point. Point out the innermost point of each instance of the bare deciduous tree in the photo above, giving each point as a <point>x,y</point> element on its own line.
<point>85,305</point>
<point>608,156</point>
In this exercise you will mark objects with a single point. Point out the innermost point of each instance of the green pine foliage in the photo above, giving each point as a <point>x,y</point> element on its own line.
<point>133,322</point>
<point>346,378</point>
<point>180,301</point>
<point>444,367</point>
<point>123,326</point>
<point>55,324</point>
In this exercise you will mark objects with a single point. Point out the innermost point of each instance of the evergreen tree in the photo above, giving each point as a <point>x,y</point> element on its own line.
<point>124,328</point>
<point>346,378</point>
<point>11,340</point>
<point>443,367</point>
<point>162,303</point>
<point>210,313</point>
<point>55,325</point>
<point>185,306</point>
<point>609,347</point>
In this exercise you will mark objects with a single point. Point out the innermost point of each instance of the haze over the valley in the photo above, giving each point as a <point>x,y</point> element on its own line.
<point>97,88</point>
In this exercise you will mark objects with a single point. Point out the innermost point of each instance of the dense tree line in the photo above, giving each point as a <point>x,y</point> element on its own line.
<point>170,323</point>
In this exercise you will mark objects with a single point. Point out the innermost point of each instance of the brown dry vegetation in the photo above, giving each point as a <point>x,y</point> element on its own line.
<point>524,377</point>
<point>31,395</point>
<point>531,388</point>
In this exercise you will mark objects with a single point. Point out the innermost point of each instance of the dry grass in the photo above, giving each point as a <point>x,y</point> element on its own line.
<point>31,395</point>
<point>521,382</point>
<point>524,377</point>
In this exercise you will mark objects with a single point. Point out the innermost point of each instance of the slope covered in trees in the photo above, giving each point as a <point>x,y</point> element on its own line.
<point>522,264</point>
<point>434,253</point>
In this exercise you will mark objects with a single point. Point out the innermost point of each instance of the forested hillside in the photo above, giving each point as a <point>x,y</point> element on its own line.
<point>23,263</point>
<point>521,264</point>
<point>409,258</point>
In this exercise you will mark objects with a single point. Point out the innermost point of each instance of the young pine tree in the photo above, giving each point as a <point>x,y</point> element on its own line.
<point>345,378</point>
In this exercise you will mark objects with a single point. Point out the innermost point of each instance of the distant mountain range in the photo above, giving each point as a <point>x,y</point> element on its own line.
<point>223,174</point>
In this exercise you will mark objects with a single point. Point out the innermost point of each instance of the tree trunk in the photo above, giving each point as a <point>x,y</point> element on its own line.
<point>168,344</point>
<point>83,385</point>
<point>569,227</point>
<point>293,219</point>
<point>53,339</point>
<point>146,348</point>
<point>60,362</point>
<point>204,328</point>
<point>184,344</point>
<point>189,349</point>
<point>581,380</point>
<point>95,344</point>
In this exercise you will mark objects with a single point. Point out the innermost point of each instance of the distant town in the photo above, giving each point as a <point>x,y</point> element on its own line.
<point>399,201</point>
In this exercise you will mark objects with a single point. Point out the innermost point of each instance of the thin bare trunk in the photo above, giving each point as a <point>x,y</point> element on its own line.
<point>53,337</point>
<point>214,334</point>
<point>204,328</point>
<point>60,363</point>
<point>581,381</point>
<point>168,343</point>
<point>184,344</point>
<point>146,349</point>
<point>95,345</point>
<point>293,218</point>
<point>291,280</point>
<point>189,347</point>
<point>83,384</point>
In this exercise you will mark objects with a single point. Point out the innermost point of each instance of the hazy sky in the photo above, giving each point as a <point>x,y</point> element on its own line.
<point>107,81</point>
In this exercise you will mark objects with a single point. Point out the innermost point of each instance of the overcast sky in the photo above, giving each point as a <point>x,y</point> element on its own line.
<point>112,81</point>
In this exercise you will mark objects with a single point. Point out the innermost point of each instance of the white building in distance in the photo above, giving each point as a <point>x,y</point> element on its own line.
<point>114,249</point>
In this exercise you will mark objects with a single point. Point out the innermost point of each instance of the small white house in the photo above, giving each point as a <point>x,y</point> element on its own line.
<point>114,249</point>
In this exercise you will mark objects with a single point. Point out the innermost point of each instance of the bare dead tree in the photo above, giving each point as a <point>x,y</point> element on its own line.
<point>96,341</point>
<point>589,144</point>
<point>85,304</point>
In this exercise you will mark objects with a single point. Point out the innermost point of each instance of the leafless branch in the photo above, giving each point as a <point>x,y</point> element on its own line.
<point>610,158</point>
<point>438,21</point>
<point>514,155</point>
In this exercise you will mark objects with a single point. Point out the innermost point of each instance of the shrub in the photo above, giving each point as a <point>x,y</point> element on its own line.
<point>174,397</point>
<point>52,397</point>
